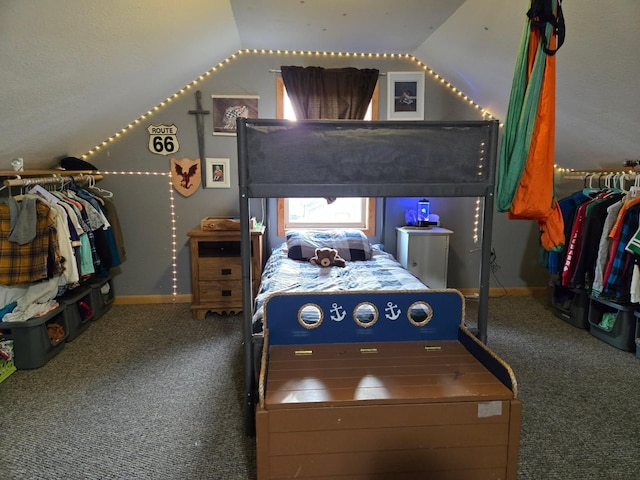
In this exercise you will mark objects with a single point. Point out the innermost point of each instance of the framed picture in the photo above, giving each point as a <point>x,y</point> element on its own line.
<point>226,108</point>
<point>217,171</point>
<point>405,95</point>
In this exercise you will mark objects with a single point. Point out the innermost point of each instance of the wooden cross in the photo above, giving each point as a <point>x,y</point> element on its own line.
<point>199,113</point>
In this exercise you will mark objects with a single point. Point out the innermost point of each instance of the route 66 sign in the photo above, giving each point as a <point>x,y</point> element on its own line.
<point>163,139</point>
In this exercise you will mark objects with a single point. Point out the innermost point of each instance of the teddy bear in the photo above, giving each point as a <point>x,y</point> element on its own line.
<point>327,257</point>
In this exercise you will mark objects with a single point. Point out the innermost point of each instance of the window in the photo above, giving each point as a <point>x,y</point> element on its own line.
<point>317,213</point>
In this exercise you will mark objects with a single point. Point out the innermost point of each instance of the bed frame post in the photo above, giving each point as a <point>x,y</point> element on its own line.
<point>247,289</point>
<point>487,228</point>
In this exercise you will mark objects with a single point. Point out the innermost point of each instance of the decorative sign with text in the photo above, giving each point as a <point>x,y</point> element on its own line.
<point>163,139</point>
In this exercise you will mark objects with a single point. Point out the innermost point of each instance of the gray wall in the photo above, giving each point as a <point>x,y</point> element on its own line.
<point>144,204</point>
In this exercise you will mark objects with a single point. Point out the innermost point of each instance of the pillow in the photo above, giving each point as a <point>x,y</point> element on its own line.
<point>350,244</point>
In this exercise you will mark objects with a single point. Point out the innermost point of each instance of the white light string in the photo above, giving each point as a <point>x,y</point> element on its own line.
<point>174,269</point>
<point>187,88</point>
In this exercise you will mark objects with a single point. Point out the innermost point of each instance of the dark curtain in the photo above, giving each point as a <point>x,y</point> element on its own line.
<point>318,93</point>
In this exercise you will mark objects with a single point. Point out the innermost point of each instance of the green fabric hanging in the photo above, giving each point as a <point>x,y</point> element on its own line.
<point>521,115</point>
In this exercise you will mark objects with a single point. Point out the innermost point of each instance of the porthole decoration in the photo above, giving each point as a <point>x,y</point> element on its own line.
<point>365,314</point>
<point>310,316</point>
<point>419,313</point>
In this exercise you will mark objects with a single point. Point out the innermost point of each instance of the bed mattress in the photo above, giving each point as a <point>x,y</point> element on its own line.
<point>282,274</point>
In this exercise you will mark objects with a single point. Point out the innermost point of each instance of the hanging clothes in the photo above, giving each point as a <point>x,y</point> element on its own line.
<point>617,279</point>
<point>595,217</point>
<point>604,248</point>
<point>36,260</point>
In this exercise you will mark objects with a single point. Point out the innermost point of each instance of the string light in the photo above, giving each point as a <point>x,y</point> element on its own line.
<point>102,145</point>
<point>174,253</point>
<point>485,113</point>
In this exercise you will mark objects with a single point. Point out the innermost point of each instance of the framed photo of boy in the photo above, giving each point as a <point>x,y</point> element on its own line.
<point>217,172</point>
<point>405,95</point>
<point>227,108</point>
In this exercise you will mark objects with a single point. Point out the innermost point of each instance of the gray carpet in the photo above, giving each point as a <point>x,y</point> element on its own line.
<point>145,393</point>
<point>148,393</point>
<point>581,396</point>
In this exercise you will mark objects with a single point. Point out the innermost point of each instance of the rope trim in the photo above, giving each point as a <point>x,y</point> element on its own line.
<point>263,369</point>
<point>512,376</point>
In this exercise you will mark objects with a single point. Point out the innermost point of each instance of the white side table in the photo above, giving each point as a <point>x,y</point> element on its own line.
<point>425,253</point>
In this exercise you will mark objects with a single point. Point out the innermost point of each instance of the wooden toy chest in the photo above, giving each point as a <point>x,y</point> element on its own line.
<point>386,410</point>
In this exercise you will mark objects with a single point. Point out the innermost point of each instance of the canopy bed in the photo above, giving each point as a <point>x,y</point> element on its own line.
<point>279,158</point>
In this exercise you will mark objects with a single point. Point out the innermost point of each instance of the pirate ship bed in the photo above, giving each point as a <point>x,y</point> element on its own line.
<point>382,159</point>
<point>396,388</point>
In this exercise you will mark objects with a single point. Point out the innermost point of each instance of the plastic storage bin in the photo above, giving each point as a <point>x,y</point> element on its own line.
<point>571,305</point>
<point>101,295</point>
<point>613,323</point>
<point>7,367</point>
<point>32,345</point>
<point>637,341</point>
<point>78,310</point>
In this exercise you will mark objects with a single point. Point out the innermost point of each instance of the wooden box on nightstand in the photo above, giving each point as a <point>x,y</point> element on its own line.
<point>216,270</point>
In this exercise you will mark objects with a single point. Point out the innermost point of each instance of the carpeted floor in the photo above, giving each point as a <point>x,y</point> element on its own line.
<point>149,393</point>
<point>145,393</point>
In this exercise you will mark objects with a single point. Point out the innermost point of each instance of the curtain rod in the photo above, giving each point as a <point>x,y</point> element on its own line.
<point>272,70</point>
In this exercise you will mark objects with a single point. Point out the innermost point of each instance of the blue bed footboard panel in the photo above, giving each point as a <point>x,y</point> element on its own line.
<point>363,316</point>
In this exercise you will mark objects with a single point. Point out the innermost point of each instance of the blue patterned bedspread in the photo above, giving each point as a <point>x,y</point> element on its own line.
<point>281,274</point>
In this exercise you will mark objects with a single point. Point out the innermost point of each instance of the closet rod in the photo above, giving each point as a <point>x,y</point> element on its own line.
<point>582,174</point>
<point>18,182</point>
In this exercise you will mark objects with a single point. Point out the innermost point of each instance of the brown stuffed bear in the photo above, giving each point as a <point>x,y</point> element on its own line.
<point>327,257</point>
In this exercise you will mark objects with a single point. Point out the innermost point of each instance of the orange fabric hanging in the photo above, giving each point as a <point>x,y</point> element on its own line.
<point>534,196</point>
<point>552,229</point>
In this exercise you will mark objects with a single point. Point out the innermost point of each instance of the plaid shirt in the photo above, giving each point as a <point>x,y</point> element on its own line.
<point>33,261</point>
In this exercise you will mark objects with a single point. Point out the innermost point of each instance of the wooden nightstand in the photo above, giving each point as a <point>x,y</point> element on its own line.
<point>216,270</point>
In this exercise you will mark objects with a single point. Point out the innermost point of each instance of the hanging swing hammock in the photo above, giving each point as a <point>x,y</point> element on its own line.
<point>525,171</point>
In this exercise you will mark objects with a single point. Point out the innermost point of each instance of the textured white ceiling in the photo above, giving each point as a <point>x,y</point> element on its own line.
<point>73,72</point>
<point>398,26</point>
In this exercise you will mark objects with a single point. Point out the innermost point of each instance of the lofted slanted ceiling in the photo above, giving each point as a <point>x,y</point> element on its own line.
<point>74,72</point>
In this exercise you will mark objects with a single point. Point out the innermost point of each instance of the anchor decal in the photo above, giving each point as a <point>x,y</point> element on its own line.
<point>338,313</point>
<point>392,313</point>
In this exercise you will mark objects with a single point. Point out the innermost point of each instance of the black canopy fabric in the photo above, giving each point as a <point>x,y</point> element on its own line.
<point>356,159</point>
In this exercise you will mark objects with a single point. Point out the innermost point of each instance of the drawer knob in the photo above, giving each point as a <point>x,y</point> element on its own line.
<point>226,271</point>
<point>226,293</point>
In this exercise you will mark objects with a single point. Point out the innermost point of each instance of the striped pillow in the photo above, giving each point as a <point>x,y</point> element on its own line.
<point>351,244</point>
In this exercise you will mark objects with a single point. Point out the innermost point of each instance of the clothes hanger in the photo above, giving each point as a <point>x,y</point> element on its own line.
<point>43,193</point>
<point>590,190</point>
<point>92,185</point>
<point>633,190</point>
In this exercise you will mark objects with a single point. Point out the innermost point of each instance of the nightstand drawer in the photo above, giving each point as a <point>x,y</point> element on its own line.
<point>224,292</point>
<point>229,268</point>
